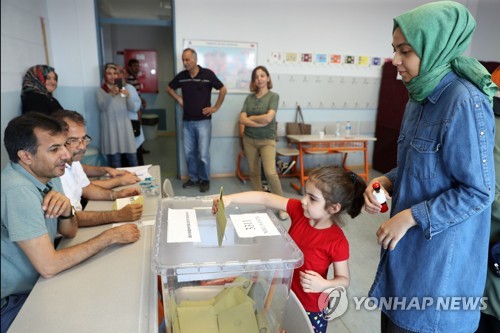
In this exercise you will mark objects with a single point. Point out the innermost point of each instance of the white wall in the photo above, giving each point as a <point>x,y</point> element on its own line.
<point>485,45</point>
<point>75,52</point>
<point>22,47</point>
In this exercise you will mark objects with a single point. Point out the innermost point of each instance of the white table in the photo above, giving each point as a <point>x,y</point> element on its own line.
<point>114,291</point>
<point>150,203</point>
<point>328,144</point>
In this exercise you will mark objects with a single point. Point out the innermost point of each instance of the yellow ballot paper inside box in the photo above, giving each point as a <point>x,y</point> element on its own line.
<point>197,319</point>
<point>122,202</point>
<point>243,283</point>
<point>190,303</point>
<point>229,298</point>
<point>221,218</point>
<point>240,318</point>
<point>231,310</point>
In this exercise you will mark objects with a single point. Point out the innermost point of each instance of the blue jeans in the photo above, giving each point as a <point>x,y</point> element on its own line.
<point>11,309</point>
<point>115,160</point>
<point>197,136</point>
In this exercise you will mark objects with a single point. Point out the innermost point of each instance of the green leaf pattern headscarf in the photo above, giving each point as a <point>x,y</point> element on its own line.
<point>439,33</point>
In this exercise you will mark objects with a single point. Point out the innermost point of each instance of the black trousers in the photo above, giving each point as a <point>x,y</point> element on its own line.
<point>387,326</point>
<point>488,324</point>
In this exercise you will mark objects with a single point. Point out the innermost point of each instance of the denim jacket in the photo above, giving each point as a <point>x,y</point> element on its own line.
<point>445,174</point>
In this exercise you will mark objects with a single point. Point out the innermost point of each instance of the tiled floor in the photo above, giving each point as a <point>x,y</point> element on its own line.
<point>364,251</point>
<point>163,151</point>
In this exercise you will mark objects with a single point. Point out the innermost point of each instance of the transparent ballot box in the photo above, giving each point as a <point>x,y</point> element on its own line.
<point>222,280</point>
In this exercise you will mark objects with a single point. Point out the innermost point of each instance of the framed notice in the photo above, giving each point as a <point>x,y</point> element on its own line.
<point>232,62</point>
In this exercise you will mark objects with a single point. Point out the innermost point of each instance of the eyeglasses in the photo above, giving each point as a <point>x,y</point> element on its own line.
<point>76,141</point>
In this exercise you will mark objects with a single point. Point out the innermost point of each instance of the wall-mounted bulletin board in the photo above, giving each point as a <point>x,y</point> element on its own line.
<point>232,62</point>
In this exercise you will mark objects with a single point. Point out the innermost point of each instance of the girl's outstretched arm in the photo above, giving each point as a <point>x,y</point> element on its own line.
<point>253,198</point>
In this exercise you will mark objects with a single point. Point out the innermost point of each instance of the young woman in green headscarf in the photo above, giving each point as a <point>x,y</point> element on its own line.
<point>434,246</point>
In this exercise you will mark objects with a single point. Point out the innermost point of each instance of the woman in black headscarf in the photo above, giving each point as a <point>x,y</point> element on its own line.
<point>39,83</point>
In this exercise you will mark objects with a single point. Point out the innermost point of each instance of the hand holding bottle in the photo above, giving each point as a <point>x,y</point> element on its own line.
<point>376,195</point>
<point>380,197</point>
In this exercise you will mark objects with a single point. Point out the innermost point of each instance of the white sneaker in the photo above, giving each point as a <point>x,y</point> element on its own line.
<point>287,170</point>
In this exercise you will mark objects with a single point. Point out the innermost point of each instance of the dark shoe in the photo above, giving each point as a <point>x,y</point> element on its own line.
<point>204,186</point>
<point>190,183</point>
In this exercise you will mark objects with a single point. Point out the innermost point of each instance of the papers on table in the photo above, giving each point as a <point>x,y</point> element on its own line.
<point>138,223</point>
<point>122,202</point>
<point>142,171</point>
<point>253,225</point>
<point>182,226</point>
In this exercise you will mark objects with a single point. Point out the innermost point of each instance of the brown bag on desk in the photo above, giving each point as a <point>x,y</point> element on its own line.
<point>299,126</point>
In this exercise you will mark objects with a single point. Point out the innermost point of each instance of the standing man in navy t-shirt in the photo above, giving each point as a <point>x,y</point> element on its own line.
<point>196,84</point>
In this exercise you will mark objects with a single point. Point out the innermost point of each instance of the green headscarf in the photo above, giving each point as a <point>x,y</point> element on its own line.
<point>439,33</point>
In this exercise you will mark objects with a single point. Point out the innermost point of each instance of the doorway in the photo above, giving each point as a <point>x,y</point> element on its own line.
<point>145,25</point>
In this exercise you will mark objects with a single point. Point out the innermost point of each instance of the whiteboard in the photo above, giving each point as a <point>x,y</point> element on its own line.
<point>232,62</point>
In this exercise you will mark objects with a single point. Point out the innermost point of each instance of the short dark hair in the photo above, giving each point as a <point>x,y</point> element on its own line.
<point>71,115</point>
<point>193,52</point>
<point>132,61</point>
<point>20,132</point>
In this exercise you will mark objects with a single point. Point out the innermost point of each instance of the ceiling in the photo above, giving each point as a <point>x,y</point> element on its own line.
<point>162,9</point>
<point>136,9</point>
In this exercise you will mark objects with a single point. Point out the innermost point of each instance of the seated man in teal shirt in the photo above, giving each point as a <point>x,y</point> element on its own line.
<point>34,208</point>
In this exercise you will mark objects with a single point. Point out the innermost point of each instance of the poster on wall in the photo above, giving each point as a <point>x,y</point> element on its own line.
<point>232,62</point>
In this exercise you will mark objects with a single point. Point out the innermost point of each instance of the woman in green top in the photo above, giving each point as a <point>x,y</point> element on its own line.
<point>258,115</point>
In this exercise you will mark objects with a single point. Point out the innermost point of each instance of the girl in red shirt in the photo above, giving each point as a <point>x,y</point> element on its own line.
<point>316,219</point>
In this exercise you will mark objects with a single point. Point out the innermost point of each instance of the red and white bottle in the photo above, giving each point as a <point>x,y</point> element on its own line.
<point>380,197</point>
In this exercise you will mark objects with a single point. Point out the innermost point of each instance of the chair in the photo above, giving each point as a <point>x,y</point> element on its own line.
<point>168,190</point>
<point>296,319</point>
<point>293,154</point>
<point>291,170</point>
<point>239,173</point>
<point>332,129</point>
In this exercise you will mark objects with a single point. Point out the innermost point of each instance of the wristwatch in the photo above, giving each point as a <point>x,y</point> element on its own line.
<point>73,211</point>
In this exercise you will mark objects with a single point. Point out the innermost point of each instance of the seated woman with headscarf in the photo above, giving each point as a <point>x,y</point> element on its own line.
<point>39,84</point>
